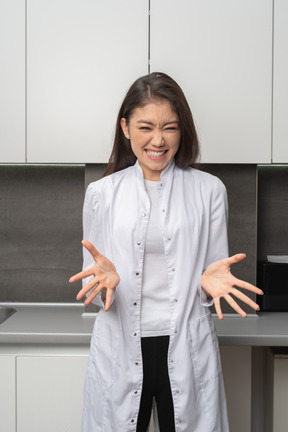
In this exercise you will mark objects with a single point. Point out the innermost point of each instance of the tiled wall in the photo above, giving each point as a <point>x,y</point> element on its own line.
<point>273,211</point>
<point>40,232</point>
<point>41,228</point>
<point>241,184</point>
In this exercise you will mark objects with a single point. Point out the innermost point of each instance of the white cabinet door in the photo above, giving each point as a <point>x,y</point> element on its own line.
<point>237,385</point>
<point>280,94</point>
<point>82,56</point>
<point>7,394</point>
<point>50,393</point>
<point>220,52</point>
<point>280,407</point>
<point>12,82</point>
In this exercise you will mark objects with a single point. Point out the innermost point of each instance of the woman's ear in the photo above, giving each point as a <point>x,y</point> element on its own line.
<point>124,127</point>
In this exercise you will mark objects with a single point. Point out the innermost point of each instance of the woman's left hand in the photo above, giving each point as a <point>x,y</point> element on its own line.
<point>217,281</point>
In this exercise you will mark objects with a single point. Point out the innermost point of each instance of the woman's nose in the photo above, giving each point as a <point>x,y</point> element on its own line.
<point>158,139</point>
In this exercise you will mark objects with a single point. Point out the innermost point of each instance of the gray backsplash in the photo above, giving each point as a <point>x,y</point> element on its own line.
<point>41,228</point>
<point>40,232</point>
<point>241,184</point>
<point>272,211</point>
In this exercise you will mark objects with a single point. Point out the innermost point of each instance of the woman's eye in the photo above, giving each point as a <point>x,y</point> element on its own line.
<point>170,129</point>
<point>145,128</point>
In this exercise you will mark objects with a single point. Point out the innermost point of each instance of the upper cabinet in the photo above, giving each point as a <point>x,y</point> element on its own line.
<point>66,66</point>
<point>220,52</point>
<point>280,90</point>
<point>12,82</point>
<point>82,56</point>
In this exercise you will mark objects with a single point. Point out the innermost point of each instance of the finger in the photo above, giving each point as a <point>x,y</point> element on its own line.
<point>83,274</point>
<point>91,248</point>
<point>247,286</point>
<point>91,297</point>
<point>245,299</point>
<point>108,302</point>
<point>92,285</point>
<point>235,306</point>
<point>218,308</point>
<point>93,294</point>
<point>236,258</point>
<point>232,260</point>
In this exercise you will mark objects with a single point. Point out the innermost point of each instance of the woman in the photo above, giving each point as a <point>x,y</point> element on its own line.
<point>161,226</point>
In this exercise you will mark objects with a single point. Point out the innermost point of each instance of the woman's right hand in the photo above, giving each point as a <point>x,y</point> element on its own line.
<point>105,278</point>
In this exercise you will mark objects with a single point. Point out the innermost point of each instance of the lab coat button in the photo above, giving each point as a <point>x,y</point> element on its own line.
<point>138,243</point>
<point>135,304</point>
<point>177,391</point>
<point>137,273</point>
<point>135,392</point>
<point>144,214</point>
<point>135,334</point>
<point>132,421</point>
<point>136,363</point>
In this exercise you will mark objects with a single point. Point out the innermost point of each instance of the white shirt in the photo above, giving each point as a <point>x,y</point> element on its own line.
<point>194,230</point>
<point>155,308</point>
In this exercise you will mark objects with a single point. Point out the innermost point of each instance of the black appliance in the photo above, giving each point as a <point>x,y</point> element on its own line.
<point>272,278</point>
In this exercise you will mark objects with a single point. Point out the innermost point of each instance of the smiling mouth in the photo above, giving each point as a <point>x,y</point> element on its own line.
<point>156,154</point>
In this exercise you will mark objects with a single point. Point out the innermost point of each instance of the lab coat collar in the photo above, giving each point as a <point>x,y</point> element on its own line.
<point>165,174</point>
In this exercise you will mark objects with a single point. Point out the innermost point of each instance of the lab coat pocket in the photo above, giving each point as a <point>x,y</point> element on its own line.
<point>204,348</point>
<point>103,352</point>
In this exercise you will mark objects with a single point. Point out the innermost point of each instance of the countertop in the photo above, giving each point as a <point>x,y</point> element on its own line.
<point>45,323</point>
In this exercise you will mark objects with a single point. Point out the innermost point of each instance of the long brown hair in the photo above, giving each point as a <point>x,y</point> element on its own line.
<point>155,86</point>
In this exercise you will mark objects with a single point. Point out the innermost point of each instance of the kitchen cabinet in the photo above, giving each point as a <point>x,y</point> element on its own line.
<point>237,366</point>
<point>280,88</point>
<point>12,82</point>
<point>277,372</point>
<point>221,55</point>
<point>7,393</point>
<point>50,393</point>
<point>81,58</point>
<point>66,65</point>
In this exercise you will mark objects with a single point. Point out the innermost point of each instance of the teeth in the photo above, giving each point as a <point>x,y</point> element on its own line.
<point>153,153</point>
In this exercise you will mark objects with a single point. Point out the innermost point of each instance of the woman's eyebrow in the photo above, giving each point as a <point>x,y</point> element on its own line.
<point>171,122</point>
<point>146,122</point>
<point>152,124</point>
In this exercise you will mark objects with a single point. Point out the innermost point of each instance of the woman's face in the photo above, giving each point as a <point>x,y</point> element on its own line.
<point>154,135</point>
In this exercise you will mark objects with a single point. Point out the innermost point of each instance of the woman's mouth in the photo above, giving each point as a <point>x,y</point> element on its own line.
<point>156,153</point>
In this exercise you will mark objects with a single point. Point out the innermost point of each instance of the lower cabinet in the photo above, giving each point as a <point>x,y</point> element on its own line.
<point>276,390</point>
<point>7,393</point>
<point>44,392</point>
<point>237,373</point>
<point>280,406</point>
<point>50,393</point>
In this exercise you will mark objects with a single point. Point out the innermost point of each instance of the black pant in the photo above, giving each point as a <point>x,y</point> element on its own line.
<point>156,384</point>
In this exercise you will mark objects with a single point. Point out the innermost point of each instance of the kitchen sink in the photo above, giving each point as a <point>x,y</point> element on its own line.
<point>5,313</point>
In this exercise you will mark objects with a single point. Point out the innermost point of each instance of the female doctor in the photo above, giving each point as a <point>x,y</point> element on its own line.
<point>160,228</point>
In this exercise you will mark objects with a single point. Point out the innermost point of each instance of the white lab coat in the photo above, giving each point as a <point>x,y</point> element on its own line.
<point>194,228</point>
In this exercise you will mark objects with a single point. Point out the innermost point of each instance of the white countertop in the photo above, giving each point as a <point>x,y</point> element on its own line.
<point>47,323</point>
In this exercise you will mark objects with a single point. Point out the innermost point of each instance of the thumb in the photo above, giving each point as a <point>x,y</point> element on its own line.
<point>91,248</point>
<point>237,258</point>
